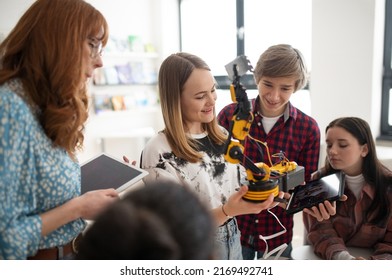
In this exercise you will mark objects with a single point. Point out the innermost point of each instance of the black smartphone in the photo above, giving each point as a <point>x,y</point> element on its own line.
<point>329,187</point>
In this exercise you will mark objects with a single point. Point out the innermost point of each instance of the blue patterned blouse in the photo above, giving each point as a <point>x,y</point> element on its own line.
<point>34,178</point>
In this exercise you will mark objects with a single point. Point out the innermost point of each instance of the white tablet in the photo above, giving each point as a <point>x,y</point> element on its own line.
<point>105,171</point>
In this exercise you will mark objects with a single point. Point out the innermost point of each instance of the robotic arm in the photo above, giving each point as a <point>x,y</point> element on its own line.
<point>261,185</point>
<point>258,175</point>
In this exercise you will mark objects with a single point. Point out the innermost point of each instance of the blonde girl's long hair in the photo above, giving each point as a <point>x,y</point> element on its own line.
<point>45,51</point>
<point>173,74</point>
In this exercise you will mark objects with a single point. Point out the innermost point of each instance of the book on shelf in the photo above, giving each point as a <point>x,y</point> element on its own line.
<point>102,103</point>
<point>111,75</point>
<point>124,73</point>
<point>118,103</point>
<point>132,73</point>
<point>150,75</point>
<point>127,102</point>
<point>137,69</point>
<point>99,77</point>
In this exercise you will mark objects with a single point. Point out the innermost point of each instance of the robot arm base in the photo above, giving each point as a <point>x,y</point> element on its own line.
<point>290,180</point>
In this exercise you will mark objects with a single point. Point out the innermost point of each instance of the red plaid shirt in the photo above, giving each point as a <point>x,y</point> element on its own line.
<point>298,136</point>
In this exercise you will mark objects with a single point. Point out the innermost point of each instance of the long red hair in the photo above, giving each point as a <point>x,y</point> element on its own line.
<point>45,51</point>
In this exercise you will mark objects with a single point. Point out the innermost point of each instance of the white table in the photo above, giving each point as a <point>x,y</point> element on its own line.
<point>306,253</point>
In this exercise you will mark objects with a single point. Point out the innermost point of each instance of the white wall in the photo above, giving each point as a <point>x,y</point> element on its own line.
<point>10,12</point>
<point>347,49</point>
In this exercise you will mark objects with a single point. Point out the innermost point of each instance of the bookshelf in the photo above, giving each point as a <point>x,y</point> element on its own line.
<point>124,104</point>
<point>127,81</point>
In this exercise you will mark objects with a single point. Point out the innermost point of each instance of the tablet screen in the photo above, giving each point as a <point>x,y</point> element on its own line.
<point>330,188</point>
<point>105,171</point>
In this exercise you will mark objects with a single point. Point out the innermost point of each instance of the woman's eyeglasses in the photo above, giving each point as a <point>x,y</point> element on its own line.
<point>96,48</point>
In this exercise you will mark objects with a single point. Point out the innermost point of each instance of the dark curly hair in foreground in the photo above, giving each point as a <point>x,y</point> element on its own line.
<point>163,220</point>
